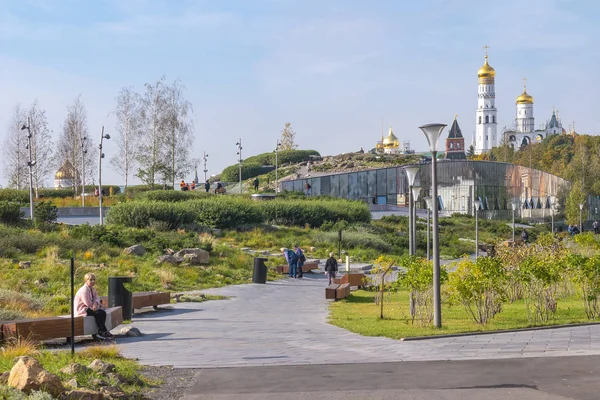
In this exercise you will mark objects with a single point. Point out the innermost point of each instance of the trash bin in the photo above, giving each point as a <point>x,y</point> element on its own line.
<point>118,295</point>
<point>260,270</point>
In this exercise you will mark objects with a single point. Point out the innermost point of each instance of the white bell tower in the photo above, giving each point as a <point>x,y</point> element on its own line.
<point>485,116</point>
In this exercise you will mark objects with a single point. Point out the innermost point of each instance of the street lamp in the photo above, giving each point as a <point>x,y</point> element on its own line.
<point>433,133</point>
<point>30,164</point>
<point>204,159</point>
<point>239,153</point>
<point>429,202</point>
<point>580,212</point>
<point>514,208</point>
<point>276,167</point>
<point>552,215</point>
<point>415,193</point>
<point>411,174</point>
<point>476,204</point>
<point>100,157</point>
<point>83,152</point>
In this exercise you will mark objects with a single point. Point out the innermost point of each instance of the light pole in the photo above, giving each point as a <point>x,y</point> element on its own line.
<point>552,215</point>
<point>411,174</point>
<point>580,212</point>
<point>429,202</point>
<point>204,159</point>
<point>433,133</point>
<point>100,157</point>
<point>239,153</point>
<point>277,167</point>
<point>514,208</point>
<point>30,164</point>
<point>415,192</point>
<point>83,152</point>
<point>476,204</point>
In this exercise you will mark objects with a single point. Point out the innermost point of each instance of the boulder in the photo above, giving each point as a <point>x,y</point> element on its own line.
<point>72,384</point>
<point>28,375</point>
<point>116,378</point>
<point>131,331</point>
<point>82,394</point>
<point>136,249</point>
<point>24,264</point>
<point>191,259</point>
<point>203,255</point>
<point>74,368</point>
<point>312,249</point>
<point>168,259</point>
<point>113,392</point>
<point>101,366</point>
<point>4,377</point>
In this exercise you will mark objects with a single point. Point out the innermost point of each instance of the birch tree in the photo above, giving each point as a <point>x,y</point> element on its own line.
<point>128,133</point>
<point>15,155</point>
<point>41,146</point>
<point>73,140</point>
<point>288,137</point>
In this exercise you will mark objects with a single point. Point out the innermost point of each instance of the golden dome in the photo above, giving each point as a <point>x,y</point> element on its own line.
<point>486,72</point>
<point>525,98</point>
<point>391,139</point>
<point>65,171</point>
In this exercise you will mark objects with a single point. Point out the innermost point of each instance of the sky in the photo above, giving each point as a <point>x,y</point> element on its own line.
<point>335,69</point>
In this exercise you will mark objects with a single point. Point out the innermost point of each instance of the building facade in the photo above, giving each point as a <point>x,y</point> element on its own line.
<point>455,143</point>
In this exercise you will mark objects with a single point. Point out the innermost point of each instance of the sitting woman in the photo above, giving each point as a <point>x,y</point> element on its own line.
<point>87,302</point>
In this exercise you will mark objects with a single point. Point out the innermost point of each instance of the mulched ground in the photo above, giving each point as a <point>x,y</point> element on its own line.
<point>173,382</point>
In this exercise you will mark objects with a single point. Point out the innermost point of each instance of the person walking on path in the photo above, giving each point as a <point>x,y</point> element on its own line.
<point>255,183</point>
<point>308,187</point>
<point>207,186</point>
<point>524,236</point>
<point>596,226</point>
<point>87,302</point>
<point>301,260</point>
<point>331,266</point>
<point>292,260</point>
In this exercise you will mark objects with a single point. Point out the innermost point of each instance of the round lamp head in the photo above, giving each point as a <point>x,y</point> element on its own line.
<point>477,204</point>
<point>429,202</point>
<point>581,206</point>
<point>433,133</point>
<point>415,192</point>
<point>411,174</point>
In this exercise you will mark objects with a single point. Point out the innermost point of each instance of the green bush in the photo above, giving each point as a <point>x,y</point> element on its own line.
<point>133,191</point>
<point>172,195</point>
<point>139,214</point>
<point>14,195</point>
<point>10,212</point>
<point>249,170</point>
<point>314,213</point>
<point>227,212</point>
<point>44,213</point>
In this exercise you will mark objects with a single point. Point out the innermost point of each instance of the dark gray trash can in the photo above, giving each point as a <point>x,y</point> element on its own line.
<point>260,270</point>
<point>119,296</point>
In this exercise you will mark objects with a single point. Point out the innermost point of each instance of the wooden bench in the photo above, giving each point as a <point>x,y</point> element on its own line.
<point>285,269</point>
<point>357,280</point>
<point>58,327</point>
<point>145,299</point>
<point>336,291</point>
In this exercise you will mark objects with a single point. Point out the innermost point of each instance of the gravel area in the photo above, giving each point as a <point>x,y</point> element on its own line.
<point>172,382</point>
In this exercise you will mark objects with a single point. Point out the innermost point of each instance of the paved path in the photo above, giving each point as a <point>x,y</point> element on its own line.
<point>284,323</point>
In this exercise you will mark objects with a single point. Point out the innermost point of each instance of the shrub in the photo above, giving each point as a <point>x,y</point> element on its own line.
<point>18,196</point>
<point>139,214</point>
<point>172,195</point>
<point>314,213</point>
<point>585,273</point>
<point>10,212</point>
<point>44,213</point>
<point>249,170</point>
<point>227,212</point>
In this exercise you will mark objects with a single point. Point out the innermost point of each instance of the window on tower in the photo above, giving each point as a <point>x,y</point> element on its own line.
<point>494,119</point>
<point>487,119</point>
<point>480,119</point>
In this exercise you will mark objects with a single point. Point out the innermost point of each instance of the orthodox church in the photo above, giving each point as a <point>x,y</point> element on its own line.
<point>391,145</point>
<point>63,179</point>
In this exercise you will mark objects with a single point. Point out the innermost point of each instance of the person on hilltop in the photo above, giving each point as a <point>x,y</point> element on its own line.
<point>292,260</point>
<point>331,266</point>
<point>87,302</point>
<point>193,186</point>
<point>255,184</point>
<point>183,186</point>
<point>207,186</point>
<point>301,259</point>
<point>308,187</point>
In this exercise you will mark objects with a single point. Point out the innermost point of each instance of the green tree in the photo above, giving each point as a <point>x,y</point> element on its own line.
<point>471,152</point>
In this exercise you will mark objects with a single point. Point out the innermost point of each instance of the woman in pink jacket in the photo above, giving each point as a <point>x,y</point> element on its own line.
<point>87,302</point>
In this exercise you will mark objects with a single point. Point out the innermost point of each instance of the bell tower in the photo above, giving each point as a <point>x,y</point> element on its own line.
<point>485,116</point>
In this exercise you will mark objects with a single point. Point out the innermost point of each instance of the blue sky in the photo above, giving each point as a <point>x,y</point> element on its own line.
<point>334,69</point>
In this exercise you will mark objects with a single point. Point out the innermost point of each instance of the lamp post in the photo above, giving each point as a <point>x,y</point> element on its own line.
<point>429,202</point>
<point>277,167</point>
<point>433,133</point>
<point>514,208</point>
<point>100,157</point>
<point>83,152</point>
<point>580,212</point>
<point>552,215</point>
<point>411,174</point>
<point>415,193</point>
<point>239,153</point>
<point>204,160</point>
<point>476,204</point>
<point>30,164</point>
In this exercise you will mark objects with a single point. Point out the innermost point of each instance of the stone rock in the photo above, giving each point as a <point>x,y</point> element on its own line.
<point>28,375</point>
<point>4,377</point>
<point>113,392</point>
<point>72,384</point>
<point>136,249</point>
<point>98,382</point>
<point>82,394</point>
<point>168,259</point>
<point>74,368</point>
<point>202,254</point>
<point>114,377</point>
<point>191,259</point>
<point>131,331</point>
<point>170,252</point>
<point>312,249</point>
<point>101,366</point>
<point>24,264</point>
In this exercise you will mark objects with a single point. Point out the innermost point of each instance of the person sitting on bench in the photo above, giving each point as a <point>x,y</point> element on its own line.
<point>87,302</point>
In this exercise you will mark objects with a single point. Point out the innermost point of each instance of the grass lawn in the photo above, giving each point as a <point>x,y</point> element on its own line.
<point>359,313</point>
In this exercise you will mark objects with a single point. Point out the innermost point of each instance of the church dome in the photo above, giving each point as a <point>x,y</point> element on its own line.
<point>525,98</point>
<point>65,171</point>
<point>486,71</point>
<point>391,139</point>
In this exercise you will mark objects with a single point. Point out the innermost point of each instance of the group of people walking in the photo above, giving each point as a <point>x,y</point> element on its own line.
<point>295,259</point>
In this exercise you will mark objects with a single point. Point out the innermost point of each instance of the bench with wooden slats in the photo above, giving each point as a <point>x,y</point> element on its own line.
<point>336,291</point>
<point>285,269</point>
<point>357,280</point>
<point>145,299</point>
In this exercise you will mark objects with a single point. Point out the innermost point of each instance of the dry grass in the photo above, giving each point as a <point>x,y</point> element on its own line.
<point>101,352</point>
<point>167,277</point>
<point>17,347</point>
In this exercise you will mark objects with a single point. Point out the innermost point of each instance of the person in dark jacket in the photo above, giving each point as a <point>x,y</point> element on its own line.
<point>292,260</point>
<point>207,186</point>
<point>524,236</point>
<point>301,259</point>
<point>255,184</point>
<point>331,266</point>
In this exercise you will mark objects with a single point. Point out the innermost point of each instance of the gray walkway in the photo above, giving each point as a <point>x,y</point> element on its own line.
<point>284,323</point>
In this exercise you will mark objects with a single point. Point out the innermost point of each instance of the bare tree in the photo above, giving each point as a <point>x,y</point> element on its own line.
<point>75,139</point>
<point>179,138</point>
<point>41,146</point>
<point>288,136</point>
<point>153,125</point>
<point>15,150</point>
<point>128,128</point>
